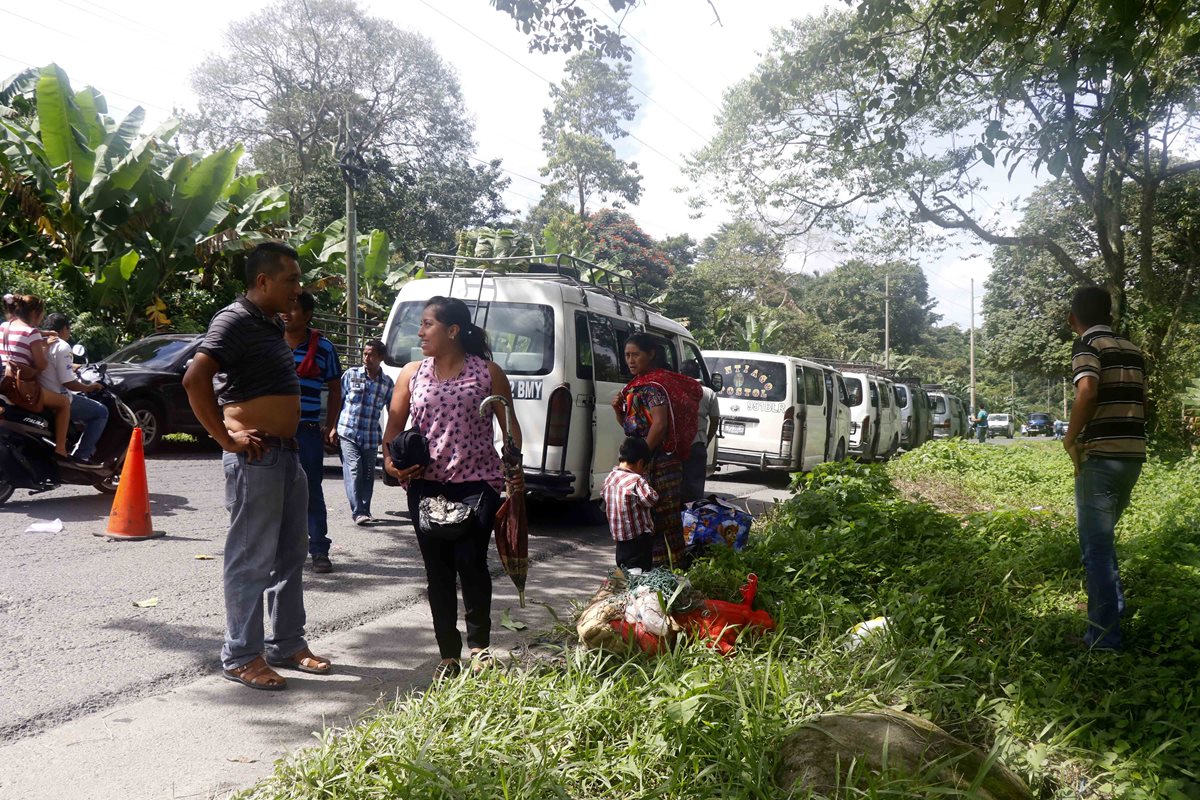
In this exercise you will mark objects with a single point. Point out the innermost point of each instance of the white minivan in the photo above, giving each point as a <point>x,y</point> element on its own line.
<point>778,412</point>
<point>874,416</point>
<point>561,341</point>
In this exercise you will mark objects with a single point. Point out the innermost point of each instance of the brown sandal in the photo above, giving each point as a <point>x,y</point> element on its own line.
<point>303,660</point>
<point>257,675</point>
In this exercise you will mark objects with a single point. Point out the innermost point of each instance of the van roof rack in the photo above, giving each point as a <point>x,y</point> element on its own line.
<point>557,267</point>
<point>870,368</point>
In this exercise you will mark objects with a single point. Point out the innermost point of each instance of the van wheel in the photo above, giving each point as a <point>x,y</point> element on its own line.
<point>6,490</point>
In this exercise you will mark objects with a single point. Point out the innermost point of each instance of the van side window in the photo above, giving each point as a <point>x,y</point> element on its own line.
<point>812,387</point>
<point>672,355</point>
<point>583,348</point>
<point>607,361</point>
<point>874,394</point>
<point>692,353</point>
<point>842,395</point>
<point>887,397</point>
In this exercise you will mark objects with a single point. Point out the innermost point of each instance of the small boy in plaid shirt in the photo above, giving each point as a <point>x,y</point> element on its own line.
<point>628,501</point>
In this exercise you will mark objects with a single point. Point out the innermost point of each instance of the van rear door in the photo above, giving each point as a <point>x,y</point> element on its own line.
<point>609,376</point>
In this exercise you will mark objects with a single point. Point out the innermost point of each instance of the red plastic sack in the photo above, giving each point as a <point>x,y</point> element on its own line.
<point>719,622</point>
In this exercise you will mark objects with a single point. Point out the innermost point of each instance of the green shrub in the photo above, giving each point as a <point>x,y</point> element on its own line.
<point>19,278</point>
<point>981,609</point>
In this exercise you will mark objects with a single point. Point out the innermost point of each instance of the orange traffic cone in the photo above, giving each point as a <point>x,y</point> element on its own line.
<point>130,517</point>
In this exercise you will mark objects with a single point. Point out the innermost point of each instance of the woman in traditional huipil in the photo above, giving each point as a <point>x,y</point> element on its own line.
<point>661,407</point>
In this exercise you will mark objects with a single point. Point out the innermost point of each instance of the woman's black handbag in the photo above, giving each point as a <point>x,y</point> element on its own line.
<point>448,520</point>
<point>409,449</point>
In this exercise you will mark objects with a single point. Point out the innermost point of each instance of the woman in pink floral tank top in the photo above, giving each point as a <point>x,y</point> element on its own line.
<point>440,395</point>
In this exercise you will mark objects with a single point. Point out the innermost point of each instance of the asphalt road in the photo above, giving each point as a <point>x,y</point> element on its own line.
<point>72,641</point>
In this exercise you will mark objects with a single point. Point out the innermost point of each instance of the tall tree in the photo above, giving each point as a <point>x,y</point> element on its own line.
<point>298,81</point>
<point>578,130</point>
<point>622,242</point>
<point>850,298</point>
<point>913,104</point>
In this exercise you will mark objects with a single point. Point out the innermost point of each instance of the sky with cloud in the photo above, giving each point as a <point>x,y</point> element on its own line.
<point>142,53</point>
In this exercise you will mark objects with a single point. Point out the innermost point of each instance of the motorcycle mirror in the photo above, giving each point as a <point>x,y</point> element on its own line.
<point>80,351</point>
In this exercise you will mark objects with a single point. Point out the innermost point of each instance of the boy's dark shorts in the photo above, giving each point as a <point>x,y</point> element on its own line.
<point>637,552</point>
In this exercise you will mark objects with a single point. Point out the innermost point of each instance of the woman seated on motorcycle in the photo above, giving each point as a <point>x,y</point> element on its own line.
<point>21,344</point>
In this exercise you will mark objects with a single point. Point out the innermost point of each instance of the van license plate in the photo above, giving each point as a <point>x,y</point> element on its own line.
<point>735,428</point>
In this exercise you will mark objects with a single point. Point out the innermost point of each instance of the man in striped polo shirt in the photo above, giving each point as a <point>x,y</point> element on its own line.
<point>318,369</point>
<point>1106,439</point>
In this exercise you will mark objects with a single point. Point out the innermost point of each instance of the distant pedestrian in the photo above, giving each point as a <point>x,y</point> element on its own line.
<point>319,371</point>
<point>59,376</point>
<point>1106,439</point>
<point>254,420</point>
<point>629,501</point>
<point>365,391</point>
<point>981,424</point>
<point>441,394</point>
<point>708,422</point>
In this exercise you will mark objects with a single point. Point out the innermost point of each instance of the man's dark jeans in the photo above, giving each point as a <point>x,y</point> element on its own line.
<point>312,459</point>
<point>1102,491</point>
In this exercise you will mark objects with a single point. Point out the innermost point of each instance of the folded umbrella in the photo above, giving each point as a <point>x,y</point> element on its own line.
<point>512,524</point>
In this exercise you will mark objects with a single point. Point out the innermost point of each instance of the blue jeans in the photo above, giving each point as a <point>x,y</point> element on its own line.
<point>312,459</point>
<point>264,553</point>
<point>1102,491</point>
<point>358,471</point>
<point>94,417</point>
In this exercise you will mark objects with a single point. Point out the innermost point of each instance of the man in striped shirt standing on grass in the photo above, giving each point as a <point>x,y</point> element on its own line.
<point>1106,439</point>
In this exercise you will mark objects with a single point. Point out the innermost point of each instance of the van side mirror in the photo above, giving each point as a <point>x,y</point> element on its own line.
<point>716,382</point>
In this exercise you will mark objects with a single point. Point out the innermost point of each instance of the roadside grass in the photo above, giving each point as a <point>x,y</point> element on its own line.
<point>981,609</point>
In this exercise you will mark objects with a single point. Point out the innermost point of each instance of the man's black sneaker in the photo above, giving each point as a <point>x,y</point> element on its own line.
<point>322,564</point>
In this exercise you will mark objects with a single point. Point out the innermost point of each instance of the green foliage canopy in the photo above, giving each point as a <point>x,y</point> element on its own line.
<point>585,117</point>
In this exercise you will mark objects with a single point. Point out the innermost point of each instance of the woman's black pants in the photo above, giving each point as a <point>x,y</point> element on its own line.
<point>466,558</point>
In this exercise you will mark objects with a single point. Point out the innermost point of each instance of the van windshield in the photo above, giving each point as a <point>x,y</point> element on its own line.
<point>854,391</point>
<point>751,378</point>
<point>521,335</point>
<point>939,404</point>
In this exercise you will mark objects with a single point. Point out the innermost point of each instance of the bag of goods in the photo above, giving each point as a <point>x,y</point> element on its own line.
<point>713,521</point>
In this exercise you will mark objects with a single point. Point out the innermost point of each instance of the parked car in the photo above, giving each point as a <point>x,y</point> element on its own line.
<point>148,376</point>
<point>1039,424</point>
<point>1001,425</point>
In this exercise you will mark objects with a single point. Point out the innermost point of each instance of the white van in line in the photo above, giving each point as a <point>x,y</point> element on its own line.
<point>561,342</point>
<point>916,415</point>
<point>778,412</point>
<point>949,416</point>
<point>874,416</point>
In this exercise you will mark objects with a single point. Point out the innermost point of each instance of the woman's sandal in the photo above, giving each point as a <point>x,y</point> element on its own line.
<point>482,660</point>
<point>447,670</point>
<point>257,675</point>
<point>303,660</point>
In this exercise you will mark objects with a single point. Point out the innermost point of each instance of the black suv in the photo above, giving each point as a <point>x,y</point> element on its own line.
<point>1039,424</point>
<point>148,376</point>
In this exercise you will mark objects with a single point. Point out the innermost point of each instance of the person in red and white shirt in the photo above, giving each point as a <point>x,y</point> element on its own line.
<point>628,501</point>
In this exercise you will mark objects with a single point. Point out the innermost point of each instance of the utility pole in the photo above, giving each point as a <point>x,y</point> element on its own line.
<point>1013,394</point>
<point>887,320</point>
<point>974,408</point>
<point>353,168</point>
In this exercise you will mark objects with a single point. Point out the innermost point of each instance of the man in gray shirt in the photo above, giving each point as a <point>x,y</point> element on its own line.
<point>59,377</point>
<point>254,419</point>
